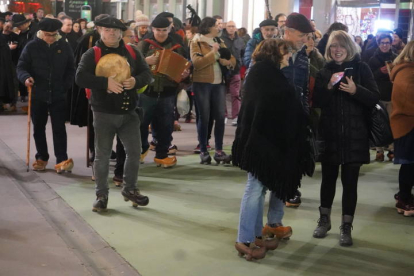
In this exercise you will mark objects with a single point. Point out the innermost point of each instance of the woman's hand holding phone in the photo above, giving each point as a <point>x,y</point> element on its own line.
<point>335,79</point>
<point>349,87</point>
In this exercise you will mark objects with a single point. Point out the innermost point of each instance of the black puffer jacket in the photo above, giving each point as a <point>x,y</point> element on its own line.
<point>383,80</point>
<point>343,126</point>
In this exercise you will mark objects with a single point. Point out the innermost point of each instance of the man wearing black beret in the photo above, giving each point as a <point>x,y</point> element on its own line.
<point>268,29</point>
<point>114,107</point>
<point>160,95</point>
<point>46,64</point>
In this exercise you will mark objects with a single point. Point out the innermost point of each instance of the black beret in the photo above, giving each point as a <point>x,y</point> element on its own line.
<point>160,22</point>
<point>19,19</point>
<point>299,22</point>
<point>111,22</point>
<point>165,14</point>
<point>50,25</point>
<point>268,22</point>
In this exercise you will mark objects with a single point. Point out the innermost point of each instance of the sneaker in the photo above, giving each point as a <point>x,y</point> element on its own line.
<point>65,166</point>
<point>197,149</point>
<point>118,180</point>
<point>166,162</point>
<point>205,158</point>
<point>234,123</point>
<point>100,204</point>
<point>172,150</point>
<point>135,197</point>
<point>295,201</point>
<point>39,165</point>
<point>281,232</point>
<point>379,157</point>
<point>177,127</point>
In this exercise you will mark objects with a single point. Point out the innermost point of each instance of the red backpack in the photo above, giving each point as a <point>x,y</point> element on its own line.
<point>98,55</point>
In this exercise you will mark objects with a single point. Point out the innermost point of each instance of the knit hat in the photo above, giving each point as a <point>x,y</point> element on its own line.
<point>141,19</point>
<point>50,25</point>
<point>299,22</point>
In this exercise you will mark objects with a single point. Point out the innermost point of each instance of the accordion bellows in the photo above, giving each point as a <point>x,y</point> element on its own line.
<point>113,65</point>
<point>170,64</point>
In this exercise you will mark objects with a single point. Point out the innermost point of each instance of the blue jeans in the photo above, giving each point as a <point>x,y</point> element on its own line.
<point>127,128</point>
<point>210,97</point>
<point>159,111</point>
<point>251,210</point>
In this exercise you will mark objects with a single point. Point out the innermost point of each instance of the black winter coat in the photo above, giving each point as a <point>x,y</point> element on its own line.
<point>101,100</point>
<point>51,66</point>
<point>343,126</point>
<point>270,135</point>
<point>383,80</point>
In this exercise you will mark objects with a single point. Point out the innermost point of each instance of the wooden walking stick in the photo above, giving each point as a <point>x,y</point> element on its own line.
<point>29,118</point>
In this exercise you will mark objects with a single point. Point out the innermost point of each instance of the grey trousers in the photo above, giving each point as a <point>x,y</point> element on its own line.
<point>127,127</point>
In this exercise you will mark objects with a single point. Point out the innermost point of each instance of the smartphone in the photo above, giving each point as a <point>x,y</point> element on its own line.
<point>86,12</point>
<point>347,73</point>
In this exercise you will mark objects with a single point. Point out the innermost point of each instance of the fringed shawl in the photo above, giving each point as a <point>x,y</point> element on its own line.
<point>270,137</point>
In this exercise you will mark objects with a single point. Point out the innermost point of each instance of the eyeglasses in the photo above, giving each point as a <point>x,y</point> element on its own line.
<point>52,35</point>
<point>336,46</point>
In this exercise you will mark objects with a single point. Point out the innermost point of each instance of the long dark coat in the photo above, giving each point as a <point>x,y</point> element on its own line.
<point>8,79</point>
<point>343,126</point>
<point>383,80</point>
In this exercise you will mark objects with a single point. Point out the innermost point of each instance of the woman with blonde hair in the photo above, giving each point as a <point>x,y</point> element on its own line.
<point>345,90</point>
<point>269,101</point>
<point>402,125</point>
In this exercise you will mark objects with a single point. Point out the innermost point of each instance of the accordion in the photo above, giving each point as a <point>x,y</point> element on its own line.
<point>170,64</point>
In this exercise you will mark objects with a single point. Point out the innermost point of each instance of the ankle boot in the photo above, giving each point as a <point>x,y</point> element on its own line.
<point>254,253</point>
<point>346,228</point>
<point>324,223</point>
<point>269,244</point>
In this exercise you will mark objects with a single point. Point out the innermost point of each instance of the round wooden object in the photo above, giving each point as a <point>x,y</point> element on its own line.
<point>113,65</point>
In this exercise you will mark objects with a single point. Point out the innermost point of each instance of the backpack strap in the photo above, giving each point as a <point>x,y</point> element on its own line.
<point>153,43</point>
<point>131,51</point>
<point>98,53</point>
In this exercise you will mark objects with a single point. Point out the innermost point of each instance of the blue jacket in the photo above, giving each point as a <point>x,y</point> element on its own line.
<point>51,66</point>
<point>298,75</point>
<point>251,46</point>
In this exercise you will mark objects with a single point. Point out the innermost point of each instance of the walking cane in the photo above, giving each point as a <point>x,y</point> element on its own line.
<point>29,111</point>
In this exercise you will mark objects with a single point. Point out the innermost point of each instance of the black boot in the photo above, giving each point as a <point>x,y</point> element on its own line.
<point>222,157</point>
<point>295,201</point>
<point>205,158</point>
<point>324,223</point>
<point>346,228</point>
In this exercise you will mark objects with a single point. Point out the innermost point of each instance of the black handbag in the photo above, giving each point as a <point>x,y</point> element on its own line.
<point>380,134</point>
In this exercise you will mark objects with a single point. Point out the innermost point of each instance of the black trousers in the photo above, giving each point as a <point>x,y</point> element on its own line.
<point>406,181</point>
<point>120,158</point>
<point>40,111</point>
<point>349,178</point>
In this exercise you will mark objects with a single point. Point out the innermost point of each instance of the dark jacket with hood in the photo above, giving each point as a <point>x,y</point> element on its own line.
<point>271,126</point>
<point>343,125</point>
<point>236,47</point>
<point>257,37</point>
<point>101,100</point>
<point>383,80</point>
<point>51,66</point>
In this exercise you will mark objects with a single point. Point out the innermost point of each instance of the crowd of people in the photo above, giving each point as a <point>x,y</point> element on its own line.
<point>288,85</point>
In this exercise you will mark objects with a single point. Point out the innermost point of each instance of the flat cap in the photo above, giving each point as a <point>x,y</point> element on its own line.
<point>19,19</point>
<point>268,22</point>
<point>299,22</point>
<point>160,22</point>
<point>50,25</point>
<point>111,22</point>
